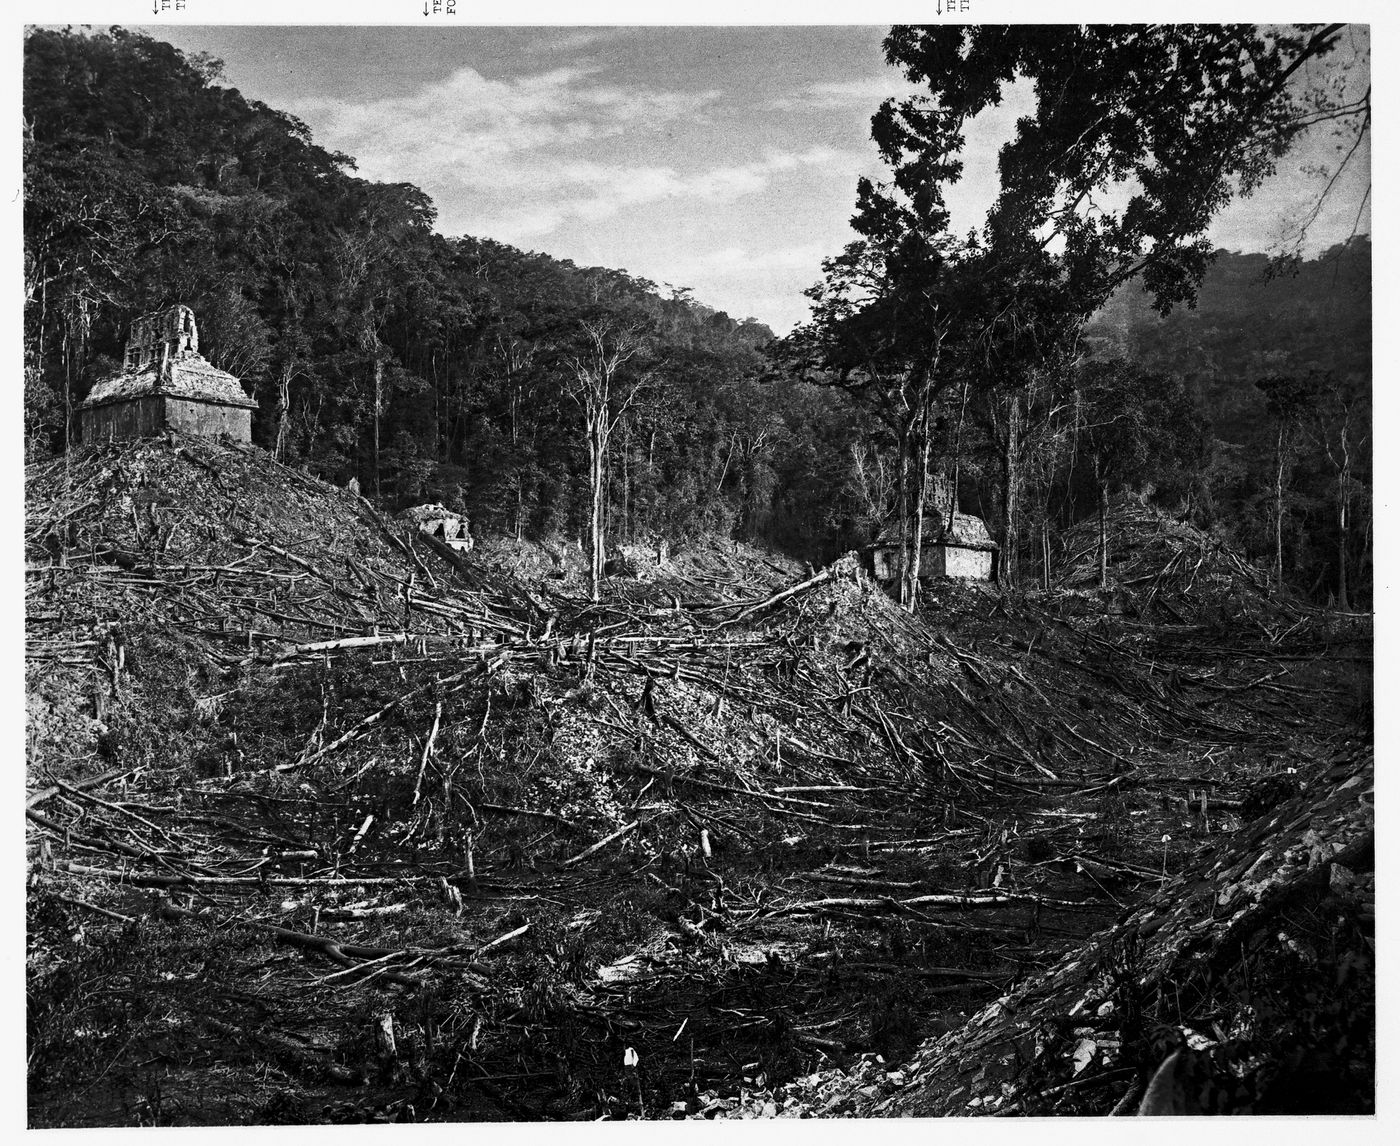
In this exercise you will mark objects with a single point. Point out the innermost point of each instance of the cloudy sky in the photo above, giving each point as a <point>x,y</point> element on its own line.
<point>721,159</point>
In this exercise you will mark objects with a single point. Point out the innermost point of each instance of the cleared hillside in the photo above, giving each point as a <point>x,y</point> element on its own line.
<point>299,784</point>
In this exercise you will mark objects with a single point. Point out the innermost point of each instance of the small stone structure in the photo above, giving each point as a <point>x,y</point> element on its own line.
<point>439,522</point>
<point>166,384</point>
<point>965,550</point>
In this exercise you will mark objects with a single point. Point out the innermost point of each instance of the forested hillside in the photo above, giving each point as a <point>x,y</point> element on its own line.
<point>455,369</point>
<point>425,367</point>
<point>1308,326</point>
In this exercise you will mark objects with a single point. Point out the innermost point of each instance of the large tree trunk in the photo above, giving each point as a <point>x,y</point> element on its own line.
<point>378,401</point>
<point>592,389</point>
<point>515,451</point>
<point>67,400</point>
<point>904,515</point>
<point>597,451</point>
<point>1278,512</point>
<point>284,409</point>
<point>1010,490</point>
<point>957,456</point>
<point>1045,551</point>
<point>625,533</point>
<point>1103,533</point>
<point>925,450</point>
<point>43,314</point>
<point>1365,561</point>
<point>1343,522</point>
<point>1342,600</point>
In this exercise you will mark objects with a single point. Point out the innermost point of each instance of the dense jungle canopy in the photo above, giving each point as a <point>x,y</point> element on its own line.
<point>438,368</point>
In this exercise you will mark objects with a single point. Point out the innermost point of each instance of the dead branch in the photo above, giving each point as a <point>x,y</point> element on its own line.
<point>783,595</point>
<point>951,902</point>
<point>427,753</point>
<point>375,717</point>
<point>549,816</point>
<point>604,842</point>
<point>43,794</point>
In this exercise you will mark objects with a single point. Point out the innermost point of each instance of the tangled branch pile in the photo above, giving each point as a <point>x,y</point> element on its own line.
<point>312,801</point>
<point>1166,570</point>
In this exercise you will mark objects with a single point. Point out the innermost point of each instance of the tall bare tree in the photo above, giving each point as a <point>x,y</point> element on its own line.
<point>604,395</point>
<point>1289,399</point>
<point>1340,427</point>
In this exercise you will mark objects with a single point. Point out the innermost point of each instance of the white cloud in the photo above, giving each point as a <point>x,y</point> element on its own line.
<point>566,155</point>
<point>735,262</point>
<point>576,39</point>
<point>628,185</point>
<point>551,194</point>
<point>469,125</point>
<point>533,152</point>
<point>868,91</point>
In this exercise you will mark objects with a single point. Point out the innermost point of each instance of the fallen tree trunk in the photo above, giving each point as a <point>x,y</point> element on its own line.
<point>950,901</point>
<point>604,842</point>
<point>810,583</point>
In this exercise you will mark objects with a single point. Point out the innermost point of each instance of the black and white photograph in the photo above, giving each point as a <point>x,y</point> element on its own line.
<point>695,571</point>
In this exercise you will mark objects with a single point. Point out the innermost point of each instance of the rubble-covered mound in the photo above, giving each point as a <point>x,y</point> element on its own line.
<point>695,574</point>
<point>1258,963</point>
<point>403,833</point>
<point>159,570</point>
<point>1164,569</point>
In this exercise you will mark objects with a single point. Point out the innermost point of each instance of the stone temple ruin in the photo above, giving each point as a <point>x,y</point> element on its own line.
<point>166,384</point>
<point>955,544</point>
<point>961,549</point>
<point>440,523</point>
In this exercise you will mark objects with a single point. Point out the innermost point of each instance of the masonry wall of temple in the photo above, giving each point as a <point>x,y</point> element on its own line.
<point>145,417</point>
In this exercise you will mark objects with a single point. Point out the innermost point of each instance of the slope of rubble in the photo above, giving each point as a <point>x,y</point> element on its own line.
<point>1166,570</point>
<point>410,835</point>
<point>1257,962</point>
